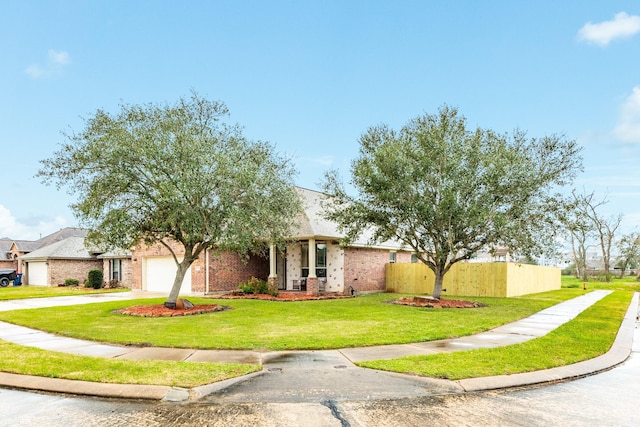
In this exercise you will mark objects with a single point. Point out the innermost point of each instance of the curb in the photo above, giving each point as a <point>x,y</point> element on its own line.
<point>87,388</point>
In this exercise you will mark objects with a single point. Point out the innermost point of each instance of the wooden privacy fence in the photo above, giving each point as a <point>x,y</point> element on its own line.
<point>487,279</point>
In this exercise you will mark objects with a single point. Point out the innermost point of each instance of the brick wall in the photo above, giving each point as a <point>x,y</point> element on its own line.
<point>8,263</point>
<point>364,268</point>
<point>15,254</point>
<point>62,269</point>
<point>227,270</point>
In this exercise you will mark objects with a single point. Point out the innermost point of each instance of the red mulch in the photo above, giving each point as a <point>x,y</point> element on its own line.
<point>159,310</point>
<point>282,296</point>
<point>435,303</point>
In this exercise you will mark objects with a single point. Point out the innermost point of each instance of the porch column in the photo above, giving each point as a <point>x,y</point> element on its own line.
<point>273,275</point>
<point>272,261</point>
<point>312,258</point>
<point>312,280</point>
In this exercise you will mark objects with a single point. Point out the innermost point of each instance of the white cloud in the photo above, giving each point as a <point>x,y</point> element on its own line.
<point>59,57</point>
<point>55,63</point>
<point>12,228</point>
<point>35,71</point>
<point>628,127</point>
<point>324,160</point>
<point>622,26</point>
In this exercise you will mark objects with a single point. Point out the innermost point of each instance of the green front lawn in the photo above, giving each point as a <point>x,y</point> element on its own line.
<point>33,361</point>
<point>588,335</point>
<point>313,324</point>
<point>23,292</point>
<point>627,283</point>
<point>268,325</point>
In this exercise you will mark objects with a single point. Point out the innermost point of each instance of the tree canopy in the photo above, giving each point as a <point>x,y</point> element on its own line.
<point>175,173</point>
<point>447,192</point>
<point>585,210</point>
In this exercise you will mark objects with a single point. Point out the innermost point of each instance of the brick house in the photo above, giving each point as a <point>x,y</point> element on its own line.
<point>6,259</point>
<point>313,262</point>
<point>64,255</point>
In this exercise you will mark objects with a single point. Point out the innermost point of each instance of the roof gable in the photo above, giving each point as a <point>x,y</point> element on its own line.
<point>69,248</point>
<point>60,235</point>
<point>312,223</point>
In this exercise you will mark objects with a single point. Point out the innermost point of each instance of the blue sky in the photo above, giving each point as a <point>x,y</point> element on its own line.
<point>312,76</point>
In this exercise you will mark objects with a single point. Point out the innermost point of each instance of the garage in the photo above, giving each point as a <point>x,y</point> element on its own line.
<point>37,273</point>
<point>159,273</point>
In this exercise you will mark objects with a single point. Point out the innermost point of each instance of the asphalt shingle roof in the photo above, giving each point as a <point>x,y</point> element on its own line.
<point>69,248</point>
<point>312,223</point>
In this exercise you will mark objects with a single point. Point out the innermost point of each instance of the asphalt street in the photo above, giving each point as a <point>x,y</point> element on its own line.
<point>606,399</point>
<point>324,389</point>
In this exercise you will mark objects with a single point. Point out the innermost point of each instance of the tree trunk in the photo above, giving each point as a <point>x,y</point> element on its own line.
<point>585,273</point>
<point>177,283</point>
<point>607,273</point>
<point>437,286</point>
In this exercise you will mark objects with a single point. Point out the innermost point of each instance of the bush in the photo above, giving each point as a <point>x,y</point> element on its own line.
<point>71,282</point>
<point>94,280</point>
<point>257,286</point>
<point>114,284</point>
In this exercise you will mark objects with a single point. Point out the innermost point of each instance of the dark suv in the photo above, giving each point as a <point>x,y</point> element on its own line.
<point>6,276</point>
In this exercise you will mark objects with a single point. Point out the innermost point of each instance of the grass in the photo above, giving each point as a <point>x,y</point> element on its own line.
<point>268,325</point>
<point>32,361</point>
<point>253,324</point>
<point>22,292</point>
<point>627,283</point>
<point>588,335</point>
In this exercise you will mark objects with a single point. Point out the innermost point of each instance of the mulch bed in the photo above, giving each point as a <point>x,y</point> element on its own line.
<point>282,296</point>
<point>437,303</point>
<point>159,310</point>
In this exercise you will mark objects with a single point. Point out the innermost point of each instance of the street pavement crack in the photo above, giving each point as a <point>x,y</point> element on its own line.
<point>331,404</point>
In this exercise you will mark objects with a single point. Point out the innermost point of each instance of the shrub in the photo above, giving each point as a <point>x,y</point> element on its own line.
<point>256,286</point>
<point>113,284</point>
<point>94,280</point>
<point>71,282</point>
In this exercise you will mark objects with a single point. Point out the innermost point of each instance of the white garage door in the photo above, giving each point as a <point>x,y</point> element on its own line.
<point>37,273</point>
<point>159,275</point>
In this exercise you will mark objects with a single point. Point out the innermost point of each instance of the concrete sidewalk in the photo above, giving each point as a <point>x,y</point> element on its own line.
<point>523,330</point>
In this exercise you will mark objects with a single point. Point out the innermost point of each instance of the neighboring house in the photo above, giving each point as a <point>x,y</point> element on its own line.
<point>64,255</point>
<point>6,260</point>
<point>499,254</point>
<point>313,261</point>
<point>22,247</point>
<point>53,264</point>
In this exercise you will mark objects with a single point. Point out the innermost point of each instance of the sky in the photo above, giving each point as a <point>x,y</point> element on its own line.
<point>311,76</point>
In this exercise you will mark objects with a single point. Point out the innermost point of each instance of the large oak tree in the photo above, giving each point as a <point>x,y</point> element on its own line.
<point>447,191</point>
<point>175,173</point>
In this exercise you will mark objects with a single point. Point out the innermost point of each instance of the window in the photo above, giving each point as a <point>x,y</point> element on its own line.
<point>321,260</point>
<point>392,257</point>
<point>414,258</point>
<point>115,265</point>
